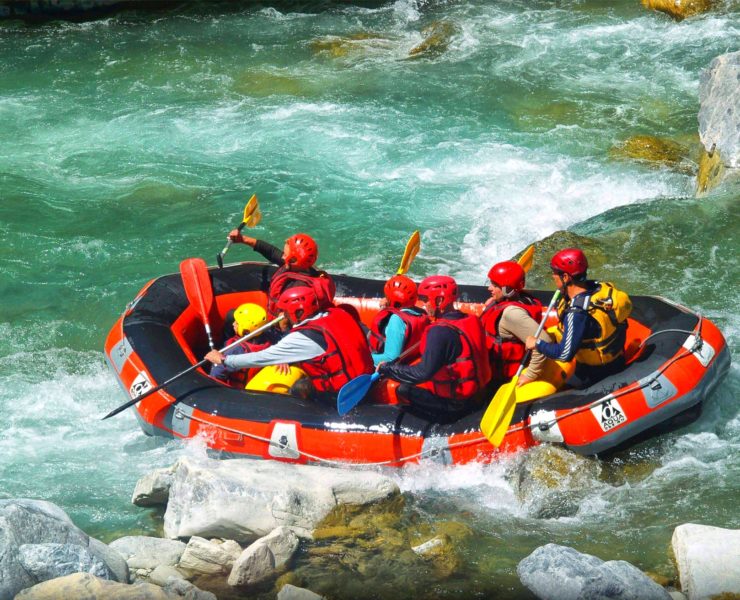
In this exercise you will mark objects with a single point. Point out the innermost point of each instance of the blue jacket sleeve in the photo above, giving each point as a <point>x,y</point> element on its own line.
<point>574,326</point>
<point>395,332</point>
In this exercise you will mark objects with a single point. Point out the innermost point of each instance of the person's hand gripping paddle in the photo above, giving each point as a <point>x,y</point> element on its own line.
<point>252,216</point>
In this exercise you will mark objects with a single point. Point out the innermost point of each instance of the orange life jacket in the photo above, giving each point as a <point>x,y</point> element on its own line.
<point>347,354</point>
<point>507,353</point>
<point>471,369</point>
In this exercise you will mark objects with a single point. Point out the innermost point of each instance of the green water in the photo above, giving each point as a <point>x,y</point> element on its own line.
<point>129,143</point>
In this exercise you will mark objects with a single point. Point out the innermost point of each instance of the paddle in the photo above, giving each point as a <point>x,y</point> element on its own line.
<point>244,338</point>
<point>525,260</point>
<point>355,390</point>
<point>252,216</point>
<point>198,289</point>
<point>412,249</point>
<point>498,415</point>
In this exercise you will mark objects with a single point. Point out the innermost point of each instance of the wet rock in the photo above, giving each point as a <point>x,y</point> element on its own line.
<point>85,585</point>
<point>265,556</point>
<point>205,556</point>
<point>719,121</point>
<point>708,560</point>
<point>144,552</point>
<point>680,9</point>
<point>291,592</point>
<point>440,551</point>
<point>555,572</point>
<point>261,84</point>
<point>341,46</point>
<point>656,151</point>
<point>551,481</point>
<point>153,489</point>
<point>437,37</point>
<point>46,526</point>
<point>243,499</point>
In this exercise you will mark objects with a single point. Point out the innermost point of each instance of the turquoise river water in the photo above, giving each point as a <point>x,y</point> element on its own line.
<point>132,142</point>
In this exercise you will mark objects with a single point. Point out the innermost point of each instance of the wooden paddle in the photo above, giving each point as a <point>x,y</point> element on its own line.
<point>355,390</point>
<point>500,411</point>
<point>412,249</point>
<point>199,291</point>
<point>252,216</point>
<point>244,338</point>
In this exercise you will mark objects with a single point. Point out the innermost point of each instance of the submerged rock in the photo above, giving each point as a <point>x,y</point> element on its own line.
<point>341,46</point>
<point>708,560</point>
<point>555,572</point>
<point>437,38</point>
<point>655,151</point>
<point>680,9</point>
<point>719,121</point>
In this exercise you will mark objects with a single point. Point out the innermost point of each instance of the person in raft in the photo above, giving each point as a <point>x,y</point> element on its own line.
<point>510,316</point>
<point>454,369</point>
<point>295,267</point>
<point>592,321</point>
<point>400,324</point>
<point>327,344</point>
<point>247,317</point>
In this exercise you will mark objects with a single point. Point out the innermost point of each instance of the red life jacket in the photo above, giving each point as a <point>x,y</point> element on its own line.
<point>507,353</point>
<point>471,369</point>
<point>239,378</point>
<point>347,354</point>
<point>416,322</point>
<point>322,284</point>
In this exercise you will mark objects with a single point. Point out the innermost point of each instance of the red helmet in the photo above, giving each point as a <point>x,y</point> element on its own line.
<point>571,261</point>
<point>302,252</point>
<point>299,303</point>
<point>507,275</point>
<point>400,291</point>
<point>440,290</point>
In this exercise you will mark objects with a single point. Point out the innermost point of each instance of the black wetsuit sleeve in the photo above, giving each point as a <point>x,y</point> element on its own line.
<point>270,252</point>
<point>443,347</point>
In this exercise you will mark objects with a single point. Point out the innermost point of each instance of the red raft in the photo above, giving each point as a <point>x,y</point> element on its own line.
<point>675,359</point>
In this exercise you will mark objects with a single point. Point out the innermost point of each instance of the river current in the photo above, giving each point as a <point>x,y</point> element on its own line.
<point>132,142</point>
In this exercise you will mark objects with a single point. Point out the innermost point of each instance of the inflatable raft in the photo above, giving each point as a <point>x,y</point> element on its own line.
<point>675,359</point>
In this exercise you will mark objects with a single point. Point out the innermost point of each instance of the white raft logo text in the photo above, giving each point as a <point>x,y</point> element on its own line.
<point>609,414</point>
<point>140,385</point>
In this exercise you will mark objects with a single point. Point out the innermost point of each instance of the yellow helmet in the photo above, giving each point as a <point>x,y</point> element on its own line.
<point>248,317</point>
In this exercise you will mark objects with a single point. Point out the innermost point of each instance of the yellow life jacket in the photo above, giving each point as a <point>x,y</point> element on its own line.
<point>609,307</point>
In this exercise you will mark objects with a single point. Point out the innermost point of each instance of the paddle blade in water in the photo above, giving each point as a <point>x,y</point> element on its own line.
<point>353,392</point>
<point>497,418</point>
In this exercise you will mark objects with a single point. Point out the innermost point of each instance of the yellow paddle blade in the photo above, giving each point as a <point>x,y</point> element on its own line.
<point>526,259</point>
<point>497,418</point>
<point>250,208</point>
<point>412,249</point>
<point>255,218</point>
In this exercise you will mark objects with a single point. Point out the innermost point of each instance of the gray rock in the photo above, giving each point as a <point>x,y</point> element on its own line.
<point>35,522</point>
<point>719,113</point>
<point>144,552</point>
<point>49,561</point>
<point>244,499</point>
<point>209,557</point>
<point>260,560</point>
<point>153,489</point>
<point>84,586</point>
<point>185,589</point>
<point>163,573</point>
<point>291,592</point>
<point>555,572</point>
<point>708,560</point>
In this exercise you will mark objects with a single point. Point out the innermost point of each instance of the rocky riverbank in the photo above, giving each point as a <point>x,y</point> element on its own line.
<point>233,529</point>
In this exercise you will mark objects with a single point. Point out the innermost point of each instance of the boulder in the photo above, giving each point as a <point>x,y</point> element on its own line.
<point>554,572</point>
<point>243,499</point>
<point>291,592</point>
<point>719,111</point>
<point>655,151</point>
<point>209,557</point>
<point>437,37</point>
<point>144,552</point>
<point>708,560</point>
<point>153,489</point>
<point>49,561</point>
<point>185,589</point>
<point>87,586</point>
<point>680,9</point>
<point>265,556</point>
<point>45,528</point>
